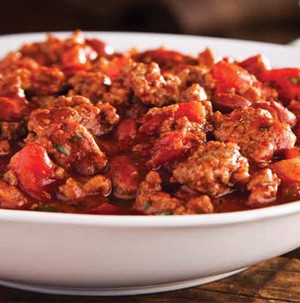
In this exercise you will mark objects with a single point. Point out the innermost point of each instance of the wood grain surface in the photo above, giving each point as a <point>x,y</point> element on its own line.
<point>276,281</point>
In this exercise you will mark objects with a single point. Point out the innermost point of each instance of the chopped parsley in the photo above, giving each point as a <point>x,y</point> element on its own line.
<point>264,127</point>
<point>60,148</point>
<point>45,207</point>
<point>166,213</point>
<point>147,205</point>
<point>295,80</point>
<point>76,138</point>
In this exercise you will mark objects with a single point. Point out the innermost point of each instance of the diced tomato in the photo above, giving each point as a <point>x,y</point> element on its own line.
<point>110,209</point>
<point>125,177</point>
<point>168,148</point>
<point>231,77</point>
<point>285,80</point>
<point>206,58</point>
<point>126,130</point>
<point>194,111</point>
<point>296,130</point>
<point>114,67</point>
<point>12,109</point>
<point>74,59</point>
<point>287,170</point>
<point>226,103</point>
<point>256,64</point>
<point>291,153</point>
<point>100,47</point>
<point>34,171</point>
<point>151,126</point>
<point>162,56</point>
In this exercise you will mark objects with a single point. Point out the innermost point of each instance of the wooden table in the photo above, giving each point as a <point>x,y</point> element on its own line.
<point>276,281</point>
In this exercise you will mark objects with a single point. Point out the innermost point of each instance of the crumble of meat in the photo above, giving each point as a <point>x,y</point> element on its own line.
<point>257,133</point>
<point>213,169</point>
<point>263,187</point>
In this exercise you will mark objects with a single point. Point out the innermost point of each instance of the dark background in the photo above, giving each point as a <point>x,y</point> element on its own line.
<point>262,20</point>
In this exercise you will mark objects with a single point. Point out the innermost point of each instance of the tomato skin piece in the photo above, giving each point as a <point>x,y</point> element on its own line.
<point>100,47</point>
<point>162,56</point>
<point>226,103</point>
<point>34,171</point>
<point>282,79</point>
<point>114,67</point>
<point>168,148</point>
<point>193,110</point>
<point>127,130</point>
<point>12,109</point>
<point>255,64</point>
<point>230,77</point>
<point>74,59</point>
<point>291,153</point>
<point>152,126</point>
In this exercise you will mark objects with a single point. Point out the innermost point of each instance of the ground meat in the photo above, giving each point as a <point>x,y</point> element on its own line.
<point>68,142</point>
<point>11,196</point>
<point>200,205</point>
<point>263,187</point>
<point>92,85</point>
<point>152,87</point>
<point>4,147</point>
<point>152,201</point>
<point>11,86</point>
<point>190,74</point>
<point>194,93</point>
<point>99,119</point>
<point>192,116</point>
<point>73,189</point>
<point>46,81</point>
<point>257,133</point>
<point>12,130</point>
<point>213,169</point>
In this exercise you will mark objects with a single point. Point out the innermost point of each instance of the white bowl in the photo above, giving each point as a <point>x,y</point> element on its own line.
<point>122,255</point>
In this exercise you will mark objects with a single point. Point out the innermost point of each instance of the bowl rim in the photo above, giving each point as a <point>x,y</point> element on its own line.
<point>131,221</point>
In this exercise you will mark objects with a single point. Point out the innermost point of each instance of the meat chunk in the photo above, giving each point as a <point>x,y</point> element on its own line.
<point>263,187</point>
<point>46,80</point>
<point>98,119</point>
<point>193,116</point>
<point>73,189</point>
<point>11,196</point>
<point>200,205</point>
<point>125,177</point>
<point>153,87</point>
<point>92,85</point>
<point>213,169</point>
<point>152,201</point>
<point>256,132</point>
<point>12,130</point>
<point>69,143</point>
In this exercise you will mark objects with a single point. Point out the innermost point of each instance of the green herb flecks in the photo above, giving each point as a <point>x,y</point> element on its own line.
<point>147,205</point>
<point>45,207</point>
<point>264,127</point>
<point>166,213</point>
<point>76,138</point>
<point>295,80</point>
<point>61,149</point>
